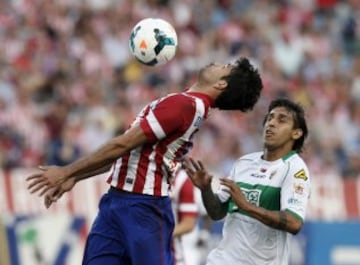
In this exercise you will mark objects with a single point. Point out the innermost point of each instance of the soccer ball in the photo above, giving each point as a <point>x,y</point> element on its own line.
<point>153,41</point>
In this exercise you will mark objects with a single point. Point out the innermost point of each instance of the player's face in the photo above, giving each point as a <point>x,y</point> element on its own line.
<point>279,133</point>
<point>214,72</point>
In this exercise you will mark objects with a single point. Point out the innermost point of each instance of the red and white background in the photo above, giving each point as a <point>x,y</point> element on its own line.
<point>31,234</point>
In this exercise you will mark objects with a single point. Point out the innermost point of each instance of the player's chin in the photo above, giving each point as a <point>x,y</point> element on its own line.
<point>269,145</point>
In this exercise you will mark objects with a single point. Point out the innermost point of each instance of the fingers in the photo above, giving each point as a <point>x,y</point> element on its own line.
<point>33,188</point>
<point>44,190</point>
<point>34,176</point>
<point>228,183</point>
<point>47,201</point>
<point>52,196</point>
<point>196,165</point>
<point>36,181</point>
<point>43,168</point>
<point>186,165</point>
<point>191,165</point>
<point>201,165</point>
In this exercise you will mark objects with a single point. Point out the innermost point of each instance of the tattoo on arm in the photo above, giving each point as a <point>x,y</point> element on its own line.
<point>278,221</point>
<point>282,220</point>
<point>213,205</point>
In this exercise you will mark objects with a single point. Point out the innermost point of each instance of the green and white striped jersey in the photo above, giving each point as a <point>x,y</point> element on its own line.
<point>283,184</point>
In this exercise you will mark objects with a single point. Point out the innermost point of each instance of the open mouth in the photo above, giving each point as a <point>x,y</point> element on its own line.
<point>269,133</point>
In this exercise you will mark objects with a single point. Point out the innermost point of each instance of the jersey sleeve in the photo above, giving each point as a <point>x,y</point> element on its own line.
<point>295,192</point>
<point>166,116</point>
<point>223,191</point>
<point>187,204</point>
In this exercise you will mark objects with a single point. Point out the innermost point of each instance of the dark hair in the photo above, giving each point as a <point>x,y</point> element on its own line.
<point>299,119</point>
<point>243,89</point>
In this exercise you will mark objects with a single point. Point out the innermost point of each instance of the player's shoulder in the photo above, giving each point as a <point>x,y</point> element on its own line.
<point>294,158</point>
<point>297,166</point>
<point>251,156</point>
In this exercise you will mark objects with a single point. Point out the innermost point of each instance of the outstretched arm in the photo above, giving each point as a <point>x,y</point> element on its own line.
<point>52,194</point>
<point>89,165</point>
<point>201,179</point>
<point>282,220</point>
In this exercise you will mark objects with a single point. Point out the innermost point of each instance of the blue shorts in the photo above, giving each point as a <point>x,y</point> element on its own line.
<point>131,229</point>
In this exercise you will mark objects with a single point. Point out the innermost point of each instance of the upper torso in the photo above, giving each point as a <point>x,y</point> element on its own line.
<point>169,124</point>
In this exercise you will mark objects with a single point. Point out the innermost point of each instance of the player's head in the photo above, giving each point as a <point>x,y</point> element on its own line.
<point>285,123</point>
<point>243,87</point>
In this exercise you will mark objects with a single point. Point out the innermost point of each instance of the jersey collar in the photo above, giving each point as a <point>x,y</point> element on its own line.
<point>209,101</point>
<point>288,155</point>
<point>283,158</point>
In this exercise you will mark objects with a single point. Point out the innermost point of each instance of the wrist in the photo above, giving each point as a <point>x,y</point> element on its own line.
<point>207,187</point>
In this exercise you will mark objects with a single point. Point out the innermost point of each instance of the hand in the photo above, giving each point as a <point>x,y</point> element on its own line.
<point>197,173</point>
<point>46,179</point>
<point>55,193</point>
<point>236,193</point>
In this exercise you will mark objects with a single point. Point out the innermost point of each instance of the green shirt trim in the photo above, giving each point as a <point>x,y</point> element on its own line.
<point>288,155</point>
<point>295,215</point>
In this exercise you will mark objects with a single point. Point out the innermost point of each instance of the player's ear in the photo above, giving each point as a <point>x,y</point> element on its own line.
<point>297,133</point>
<point>221,84</point>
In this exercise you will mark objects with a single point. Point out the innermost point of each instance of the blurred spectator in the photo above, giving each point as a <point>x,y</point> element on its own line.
<point>65,69</point>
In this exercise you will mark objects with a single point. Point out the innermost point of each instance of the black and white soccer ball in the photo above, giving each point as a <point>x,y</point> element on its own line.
<point>153,41</point>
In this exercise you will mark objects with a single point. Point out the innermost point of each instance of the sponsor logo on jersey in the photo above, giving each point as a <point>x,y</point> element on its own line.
<point>301,175</point>
<point>252,196</point>
<point>198,121</point>
<point>260,176</point>
<point>294,201</point>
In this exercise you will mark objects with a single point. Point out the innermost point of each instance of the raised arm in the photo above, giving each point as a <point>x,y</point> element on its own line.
<point>52,194</point>
<point>202,180</point>
<point>97,162</point>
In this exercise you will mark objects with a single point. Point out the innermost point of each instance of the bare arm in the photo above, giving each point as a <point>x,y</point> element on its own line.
<point>52,194</point>
<point>95,172</point>
<point>90,165</point>
<point>282,220</point>
<point>107,154</point>
<point>202,180</point>
<point>186,225</point>
<point>214,207</point>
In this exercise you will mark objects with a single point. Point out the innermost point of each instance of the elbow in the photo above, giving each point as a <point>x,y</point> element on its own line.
<point>216,216</point>
<point>295,228</point>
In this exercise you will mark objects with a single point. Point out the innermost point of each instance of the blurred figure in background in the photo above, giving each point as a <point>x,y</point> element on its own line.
<point>185,211</point>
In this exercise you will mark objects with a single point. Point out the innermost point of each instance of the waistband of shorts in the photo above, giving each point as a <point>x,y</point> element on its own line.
<point>114,190</point>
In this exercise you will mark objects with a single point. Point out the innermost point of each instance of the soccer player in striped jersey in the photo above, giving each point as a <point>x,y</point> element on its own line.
<point>134,224</point>
<point>265,197</point>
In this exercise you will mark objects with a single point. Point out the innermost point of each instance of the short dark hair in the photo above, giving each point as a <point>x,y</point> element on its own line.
<point>243,90</point>
<point>299,119</point>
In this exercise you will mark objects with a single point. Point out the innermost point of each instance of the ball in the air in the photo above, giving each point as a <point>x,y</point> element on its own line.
<point>153,41</point>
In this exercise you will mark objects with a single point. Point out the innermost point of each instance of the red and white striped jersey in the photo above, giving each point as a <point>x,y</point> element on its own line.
<point>169,124</point>
<point>183,204</point>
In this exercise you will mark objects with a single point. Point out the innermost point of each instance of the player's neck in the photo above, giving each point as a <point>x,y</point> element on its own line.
<point>199,88</point>
<point>273,155</point>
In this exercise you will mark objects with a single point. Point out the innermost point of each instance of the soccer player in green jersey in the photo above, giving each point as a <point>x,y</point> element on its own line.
<point>265,197</point>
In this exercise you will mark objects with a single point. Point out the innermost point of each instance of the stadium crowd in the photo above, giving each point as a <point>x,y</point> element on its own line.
<point>68,82</point>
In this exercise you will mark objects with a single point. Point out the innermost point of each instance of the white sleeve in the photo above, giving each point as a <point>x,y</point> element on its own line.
<point>222,191</point>
<point>295,192</point>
